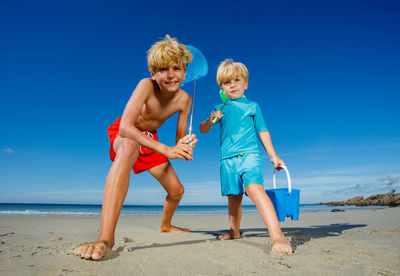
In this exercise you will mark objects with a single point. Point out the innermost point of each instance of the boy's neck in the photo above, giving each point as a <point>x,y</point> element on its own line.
<point>242,97</point>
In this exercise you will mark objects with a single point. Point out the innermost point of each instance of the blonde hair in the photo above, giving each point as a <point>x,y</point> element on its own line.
<point>228,69</point>
<point>167,52</point>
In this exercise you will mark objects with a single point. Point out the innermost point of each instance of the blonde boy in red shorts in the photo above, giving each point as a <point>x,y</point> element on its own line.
<point>134,141</point>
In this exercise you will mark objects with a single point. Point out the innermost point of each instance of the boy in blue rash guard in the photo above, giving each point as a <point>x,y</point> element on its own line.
<point>241,121</point>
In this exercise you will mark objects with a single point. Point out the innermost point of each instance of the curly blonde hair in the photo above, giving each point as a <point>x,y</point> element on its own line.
<point>228,69</point>
<point>167,52</point>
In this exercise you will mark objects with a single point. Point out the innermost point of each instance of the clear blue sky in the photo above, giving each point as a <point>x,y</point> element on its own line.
<point>325,73</point>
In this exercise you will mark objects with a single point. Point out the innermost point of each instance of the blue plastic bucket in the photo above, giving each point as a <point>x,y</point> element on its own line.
<point>286,201</point>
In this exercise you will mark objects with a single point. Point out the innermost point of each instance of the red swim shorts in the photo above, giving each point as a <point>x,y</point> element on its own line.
<point>147,158</point>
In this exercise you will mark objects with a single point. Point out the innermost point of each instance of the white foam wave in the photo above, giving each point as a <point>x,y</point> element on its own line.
<point>33,212</point>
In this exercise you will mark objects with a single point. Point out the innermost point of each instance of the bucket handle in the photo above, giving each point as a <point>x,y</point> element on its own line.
<point>288,178</point>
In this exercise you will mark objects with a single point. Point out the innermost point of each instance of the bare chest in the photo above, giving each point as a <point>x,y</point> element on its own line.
<point>154,113</point>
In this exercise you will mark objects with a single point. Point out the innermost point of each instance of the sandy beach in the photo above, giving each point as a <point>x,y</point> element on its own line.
<point>360,242</point>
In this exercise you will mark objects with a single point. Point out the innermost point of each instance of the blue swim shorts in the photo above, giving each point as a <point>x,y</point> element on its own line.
<point>239,171</point>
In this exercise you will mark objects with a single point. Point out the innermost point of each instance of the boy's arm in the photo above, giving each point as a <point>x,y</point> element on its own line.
<point>181,127</point>
<point>265,139</point>
<point>128,121</point>
<point>205,126</point>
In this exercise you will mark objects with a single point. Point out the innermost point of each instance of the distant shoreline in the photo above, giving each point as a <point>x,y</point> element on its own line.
<point>19,209</point>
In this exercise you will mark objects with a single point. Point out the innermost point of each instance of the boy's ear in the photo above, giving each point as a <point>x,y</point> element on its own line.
<point>245,87</point>
<point>152,76</point>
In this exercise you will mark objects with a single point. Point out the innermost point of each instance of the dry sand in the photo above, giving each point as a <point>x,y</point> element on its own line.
<point>365,242</point>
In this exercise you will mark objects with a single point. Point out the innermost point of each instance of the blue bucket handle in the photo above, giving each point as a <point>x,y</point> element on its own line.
<point>288,178</point>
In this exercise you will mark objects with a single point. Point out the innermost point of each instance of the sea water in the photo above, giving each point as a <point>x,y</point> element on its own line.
<point>95,209</point>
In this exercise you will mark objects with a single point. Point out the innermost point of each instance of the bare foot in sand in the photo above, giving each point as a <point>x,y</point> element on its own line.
<point>172,229</point>
<point>92,250</point>
<point>229,236</point>
<point>282,246</point>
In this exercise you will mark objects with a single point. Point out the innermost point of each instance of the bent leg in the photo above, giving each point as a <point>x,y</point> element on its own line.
<point>116,188</point>
<point>235,216</point>
<point>267,212</point>
<point>165,174</point>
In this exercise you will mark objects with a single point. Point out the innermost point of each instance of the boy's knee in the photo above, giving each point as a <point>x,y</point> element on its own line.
<point>177,193</point>
<point>253,188</point>
<point>127,146</point>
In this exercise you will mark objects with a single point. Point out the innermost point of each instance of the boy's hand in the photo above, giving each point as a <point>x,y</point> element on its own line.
<point>180,151</point>
<point>185,140</point>
<point>278,163</point>
<point>216,114</point>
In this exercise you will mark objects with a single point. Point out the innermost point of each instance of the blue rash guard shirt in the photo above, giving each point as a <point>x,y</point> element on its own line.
<point>240,124</point>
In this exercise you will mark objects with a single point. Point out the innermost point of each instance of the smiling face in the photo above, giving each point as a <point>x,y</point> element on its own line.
<point>234,88</point>
<point>169,79</point>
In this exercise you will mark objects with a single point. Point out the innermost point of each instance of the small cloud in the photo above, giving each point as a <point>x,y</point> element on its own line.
<point>355,186</point>
<point>315,158</point>
<point>8,150</point>
<point>390,182</point>
<point>386,183</point>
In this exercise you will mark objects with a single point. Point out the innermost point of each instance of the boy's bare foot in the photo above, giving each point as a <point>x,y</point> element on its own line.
<point>172,229</point>
<point>229,236</point>
<point>282,246</point>
<point>92,250</point>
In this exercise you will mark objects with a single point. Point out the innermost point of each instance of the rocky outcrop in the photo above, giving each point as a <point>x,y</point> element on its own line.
<point>389,199</point>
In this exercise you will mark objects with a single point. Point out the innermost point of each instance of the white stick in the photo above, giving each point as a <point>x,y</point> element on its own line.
<point>191,115</point>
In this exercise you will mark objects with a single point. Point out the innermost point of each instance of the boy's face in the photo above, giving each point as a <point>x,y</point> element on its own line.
<point>169,79</point>
<point>234,88</point>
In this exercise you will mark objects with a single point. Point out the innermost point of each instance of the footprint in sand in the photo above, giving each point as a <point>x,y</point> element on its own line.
<point>127,240</point>
<point>283,263</point>
<point>6,234</point>
<point>67,270</point>
<point>128,249</point>
<point>385,273</point>
<point>366,253</point>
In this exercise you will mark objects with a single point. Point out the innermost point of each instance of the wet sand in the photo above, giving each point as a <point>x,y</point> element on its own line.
<point>360,242</point>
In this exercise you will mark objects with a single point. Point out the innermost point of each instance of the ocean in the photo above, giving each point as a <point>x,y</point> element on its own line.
<point>95,210</point>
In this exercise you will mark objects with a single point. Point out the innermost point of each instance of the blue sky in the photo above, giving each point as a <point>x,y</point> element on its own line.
<point>325,73</point>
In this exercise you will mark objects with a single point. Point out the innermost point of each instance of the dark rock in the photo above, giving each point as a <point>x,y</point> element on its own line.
<point>337,210</point>
<point>389,199</point>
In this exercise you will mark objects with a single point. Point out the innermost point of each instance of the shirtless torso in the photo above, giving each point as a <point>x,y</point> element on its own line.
<point>148,109</point>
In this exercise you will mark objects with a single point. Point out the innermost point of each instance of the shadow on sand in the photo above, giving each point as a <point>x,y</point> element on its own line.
<point>297,236</point>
